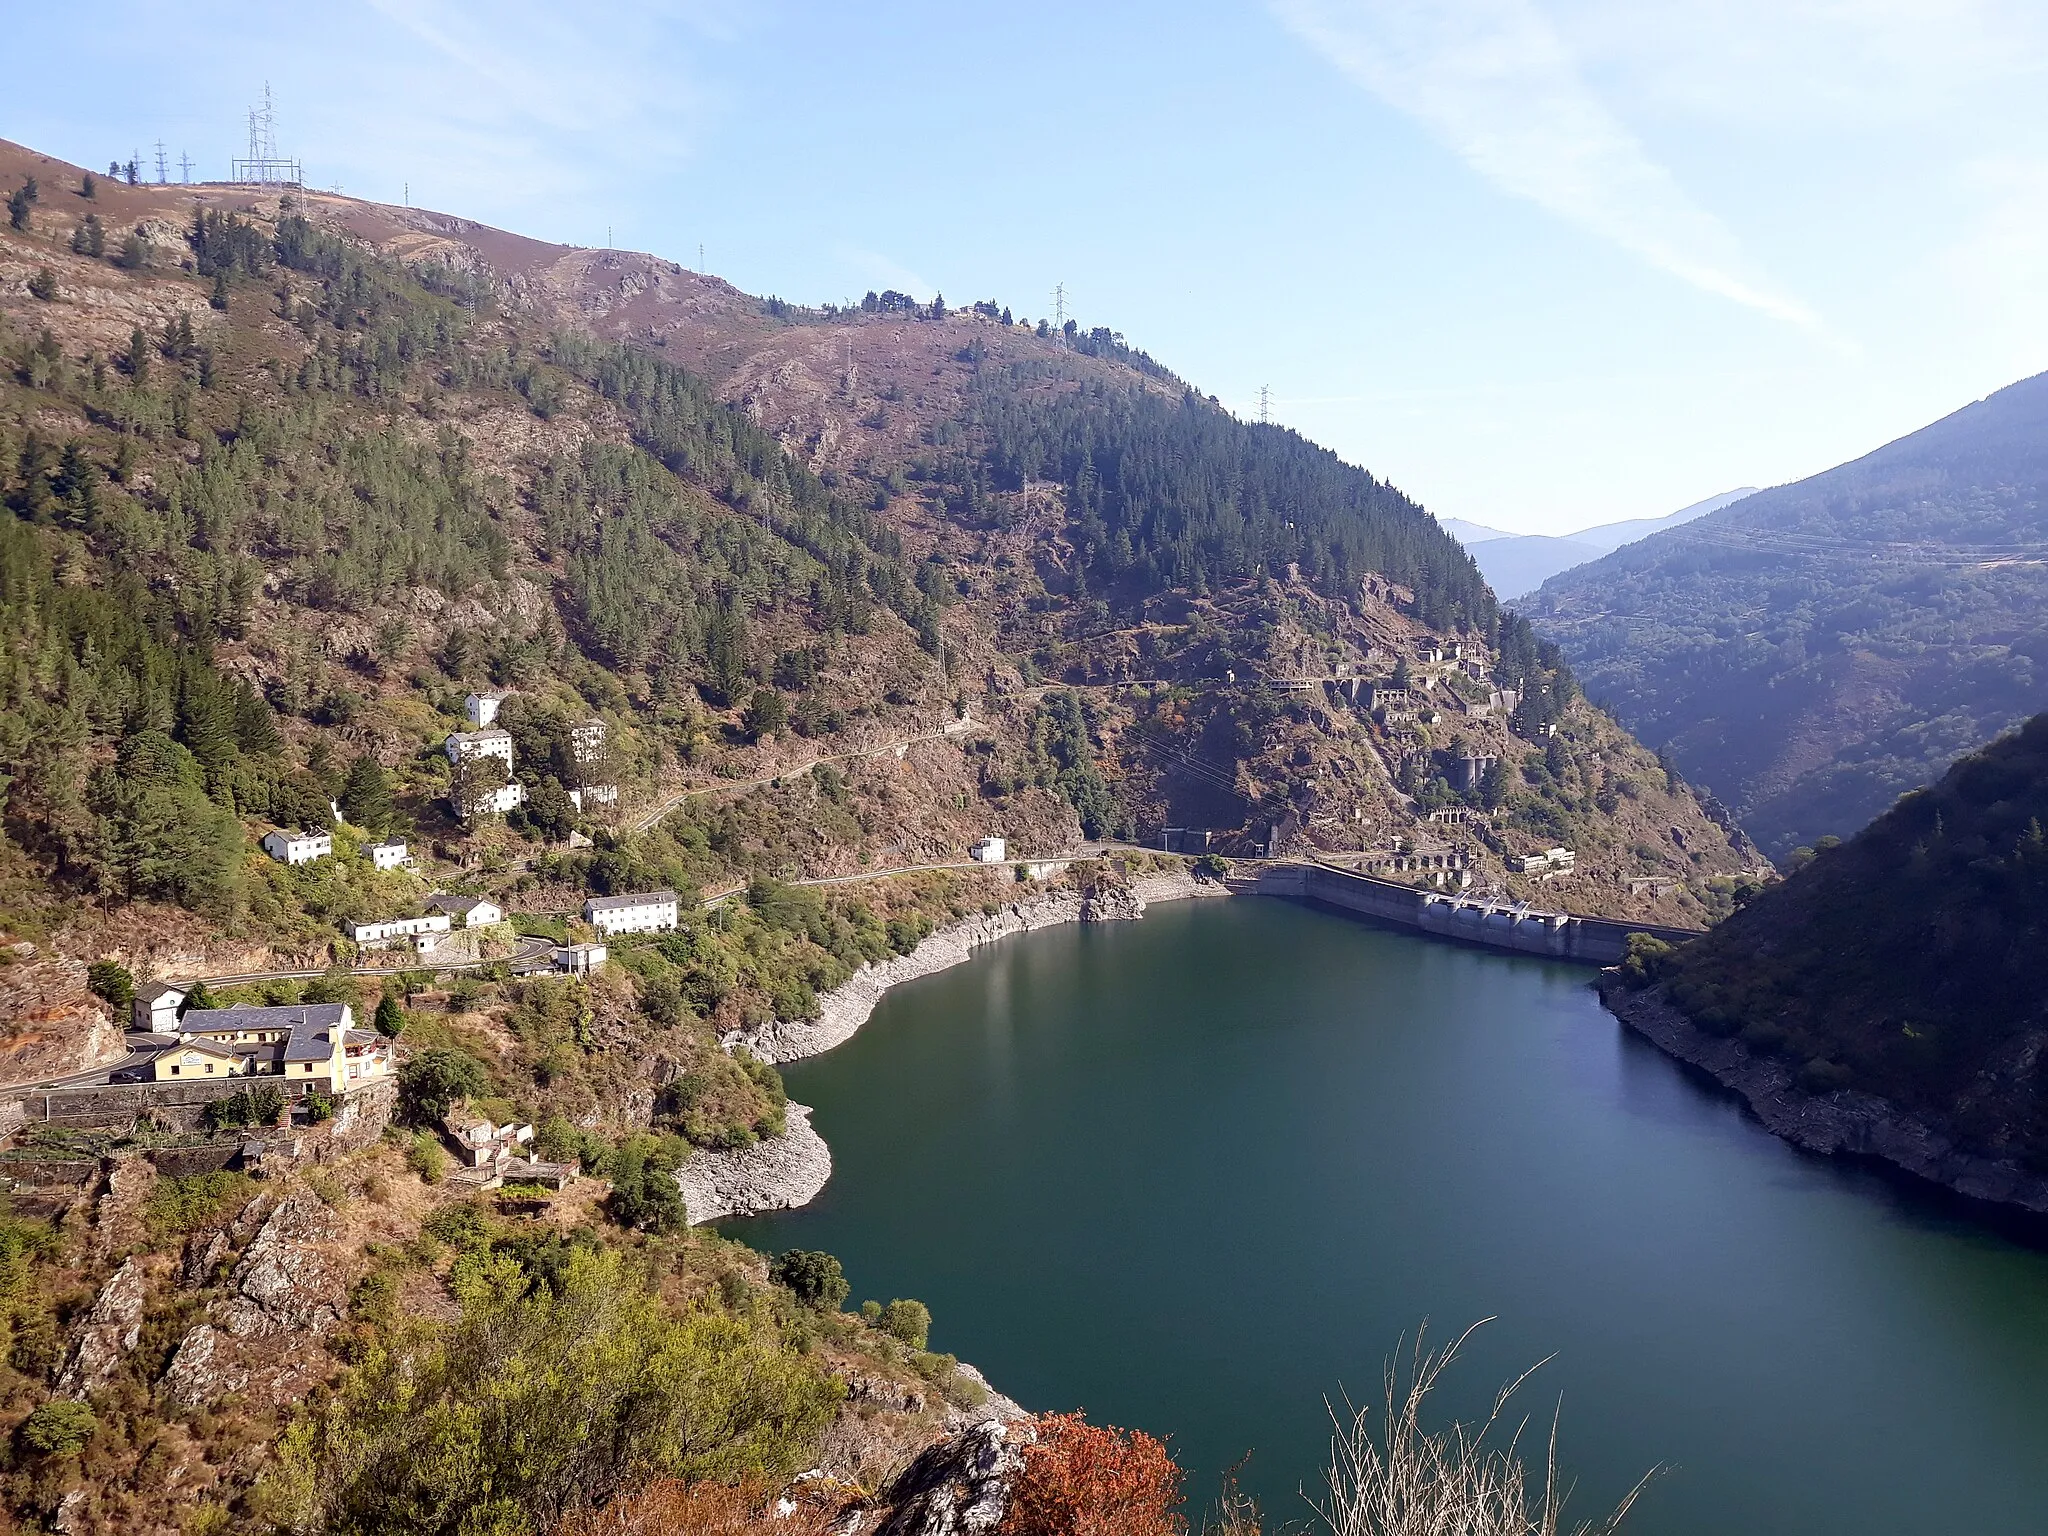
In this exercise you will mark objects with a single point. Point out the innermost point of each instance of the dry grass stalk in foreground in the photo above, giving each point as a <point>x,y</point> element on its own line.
<point>1406,1480</point>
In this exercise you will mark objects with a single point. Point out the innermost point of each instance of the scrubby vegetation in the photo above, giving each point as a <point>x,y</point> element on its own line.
<point>565,1382</point>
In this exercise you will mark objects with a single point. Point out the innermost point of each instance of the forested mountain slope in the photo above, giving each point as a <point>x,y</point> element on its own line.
<point>1813,651</point>
<point>1907,962</point>
<point>364,459</point>
<point>288,480</point>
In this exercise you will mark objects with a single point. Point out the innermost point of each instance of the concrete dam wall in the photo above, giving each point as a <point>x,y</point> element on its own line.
<point>1522,930</point>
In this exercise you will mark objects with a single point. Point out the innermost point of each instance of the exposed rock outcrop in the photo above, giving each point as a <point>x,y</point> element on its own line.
<point>110,1332</point>
<point>960,1485</point>
<point>284,1283</point>
<point>51,1023</point>
<point>1845,1122</point>
<point>773,1175</point>
<point>286,1287</point>
<point>117,1220</point>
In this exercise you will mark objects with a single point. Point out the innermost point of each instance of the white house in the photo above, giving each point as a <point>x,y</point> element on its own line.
<point>392,855</point>
<point>376,935</point>
<point>587,745</point>
<point>297,847</point>
<point>492,741</point>
<point>990,850</point>
<point>467,911</point>
<point>579,959</point>
<point>643,912</point>
<point>482,708</point>
<point>154,1009</point>
<point>587,740</point>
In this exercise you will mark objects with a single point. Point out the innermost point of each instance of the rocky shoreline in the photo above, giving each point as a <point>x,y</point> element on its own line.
<point>773,1175</point>
<point>1845,1123</point>
<point>789,1171</point>
<point>843,1010</point>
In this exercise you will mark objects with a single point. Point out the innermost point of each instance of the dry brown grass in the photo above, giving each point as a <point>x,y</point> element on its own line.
<point>1398,1478</point>
<point>672,1508</point>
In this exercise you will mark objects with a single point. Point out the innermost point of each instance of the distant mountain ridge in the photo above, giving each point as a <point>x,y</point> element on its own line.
<point>1813,651</point>
<point>1515,563</point>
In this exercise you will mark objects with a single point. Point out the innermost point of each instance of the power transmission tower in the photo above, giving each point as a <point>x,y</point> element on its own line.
<point>1059,307</point>
<point>407,193</point>
<point>185,167</point>
<point>1265,407</point>
<point>264,166</point>
<point>163,173</point>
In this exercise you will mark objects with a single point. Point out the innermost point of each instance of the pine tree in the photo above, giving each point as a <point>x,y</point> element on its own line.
<point>206,720</point>
<point>366,795</point>
<point>138,358</point>
<point>219,297</point>
<point>390,1017</point>
<point>255,727</point>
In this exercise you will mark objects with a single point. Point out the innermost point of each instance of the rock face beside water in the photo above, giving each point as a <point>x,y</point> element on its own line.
<point>773,1175</point>
<point>1842,1123</point>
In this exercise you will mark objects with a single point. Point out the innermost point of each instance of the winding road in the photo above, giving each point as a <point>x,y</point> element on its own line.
<point>946,732</point>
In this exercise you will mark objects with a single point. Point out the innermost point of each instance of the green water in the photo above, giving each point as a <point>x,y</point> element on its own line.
<point>1196,1174</point>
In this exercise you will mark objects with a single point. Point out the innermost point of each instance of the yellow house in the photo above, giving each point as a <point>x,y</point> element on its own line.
<point>312,1043</point>
<point>196,1059</point>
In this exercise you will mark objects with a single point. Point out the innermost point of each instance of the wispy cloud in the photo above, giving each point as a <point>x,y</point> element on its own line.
<point>876,269</point>
<point>1496,83</point>
<point>515,109</point>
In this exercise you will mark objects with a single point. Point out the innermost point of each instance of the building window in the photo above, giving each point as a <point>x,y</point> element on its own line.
<point>174,1071</point>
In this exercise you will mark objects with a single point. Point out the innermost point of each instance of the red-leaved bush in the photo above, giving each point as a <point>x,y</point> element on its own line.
<point>1084,1480</point>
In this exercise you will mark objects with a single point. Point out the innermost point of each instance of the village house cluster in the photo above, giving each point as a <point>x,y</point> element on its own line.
<point>316,1044</point>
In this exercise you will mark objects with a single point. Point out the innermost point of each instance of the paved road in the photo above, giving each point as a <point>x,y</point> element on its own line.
<point>529,951</point>
<point>946,732</point>
<point>1085,851</point>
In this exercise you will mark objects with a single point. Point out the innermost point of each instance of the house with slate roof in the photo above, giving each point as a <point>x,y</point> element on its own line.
<point>312,1043</point>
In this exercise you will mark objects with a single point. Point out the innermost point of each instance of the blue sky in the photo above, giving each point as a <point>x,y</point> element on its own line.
<point>1542,263</point>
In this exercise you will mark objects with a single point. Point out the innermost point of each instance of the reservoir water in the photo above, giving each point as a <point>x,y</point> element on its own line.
<point>1199,1173</point>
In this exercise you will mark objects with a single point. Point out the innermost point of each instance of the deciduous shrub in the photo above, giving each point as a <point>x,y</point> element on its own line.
<point>1081,1479</point>
<point>909,1322</point>
<point>58,1428</point>
<point>427,1158</point>
<point>814,1278</point>
<point>644,1189</point>
<point>669,1507</point>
